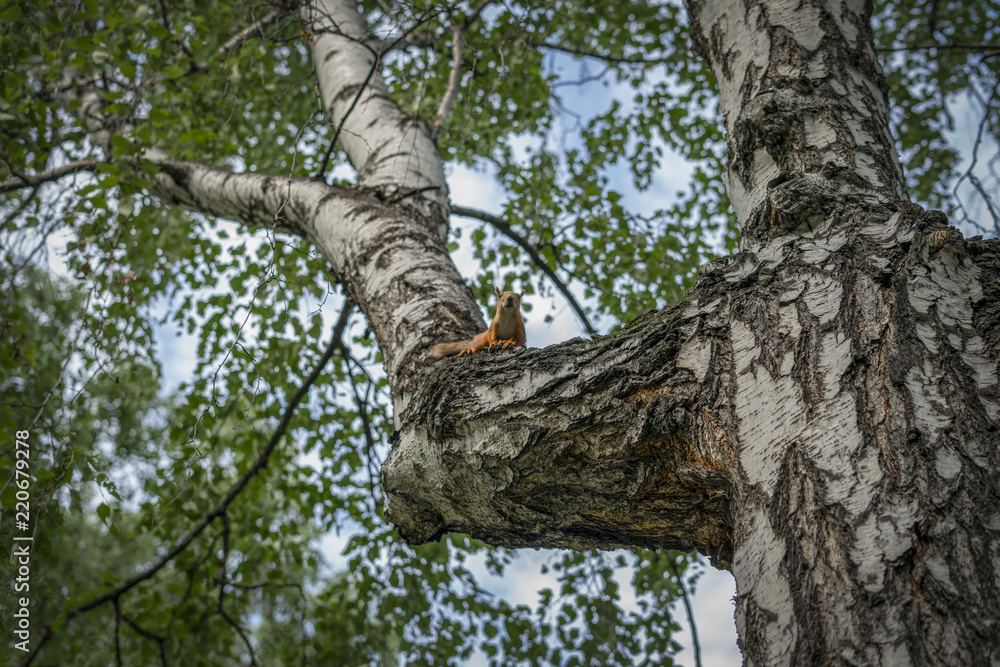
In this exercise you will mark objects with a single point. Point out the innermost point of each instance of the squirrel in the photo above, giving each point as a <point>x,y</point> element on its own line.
<point>506,329</point>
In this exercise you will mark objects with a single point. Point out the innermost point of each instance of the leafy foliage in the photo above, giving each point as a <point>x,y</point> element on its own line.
<point>941,61</point>
<point>124,465</point>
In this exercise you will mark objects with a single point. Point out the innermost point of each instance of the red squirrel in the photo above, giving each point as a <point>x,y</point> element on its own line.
<point>506,329</point>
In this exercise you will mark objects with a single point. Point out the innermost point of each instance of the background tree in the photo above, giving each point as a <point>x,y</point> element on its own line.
<point>819,413</point>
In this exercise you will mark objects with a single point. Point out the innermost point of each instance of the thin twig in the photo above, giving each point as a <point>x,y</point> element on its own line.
<point>973,179</point>
<point>118,634</point>
<point>150,635</point>
<point>343,121</point>
<point>34,180</point>
<point>455,76</point>
<point>222,590</point>
<point>688,610</point>
<point>474,16</point>
<point>506,230</point>
<point>935,45</point>
<point>572,49</point>
<point>237,40</point>
<point>366,425</point>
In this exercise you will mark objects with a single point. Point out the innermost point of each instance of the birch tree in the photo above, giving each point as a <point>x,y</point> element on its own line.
<point>816,412</point>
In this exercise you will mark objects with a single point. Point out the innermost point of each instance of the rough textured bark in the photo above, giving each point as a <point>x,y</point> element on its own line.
<point>865,393</point>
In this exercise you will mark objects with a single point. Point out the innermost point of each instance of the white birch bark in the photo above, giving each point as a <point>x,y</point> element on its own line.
<point>389,149</point>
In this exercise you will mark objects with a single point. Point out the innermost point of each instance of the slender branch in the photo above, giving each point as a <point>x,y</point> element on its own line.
<point>118,633</point>
<point>687,608</point>
<point>366,424</point>
<point>454,79</point>
<point>223,504</point>
<point>934,45</point>
<point>268,584</point>
<point>474,16</point>
<point>237,40</point>
<point>455,76</point>
<point>384,46</point>
<point>222,590</point>
<point>506,230</point>
<point>150,635</point>
<point>973,179</point>
<point>579,51</point>
<point>34,180</point>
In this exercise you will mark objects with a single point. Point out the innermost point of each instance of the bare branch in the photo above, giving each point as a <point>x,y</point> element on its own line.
<point>973,179</point>
<point>934,45</point>
<point>687,609</point>
<point>34,180</point>
<point>455,76</point>
<point>240,38</point>
<point>525,245</point>
<point>587,53</point>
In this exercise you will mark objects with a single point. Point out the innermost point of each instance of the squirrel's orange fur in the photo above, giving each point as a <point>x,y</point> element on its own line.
<point>506,329</point>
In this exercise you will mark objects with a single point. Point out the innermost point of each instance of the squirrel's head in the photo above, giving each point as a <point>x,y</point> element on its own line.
<point>508,300</point>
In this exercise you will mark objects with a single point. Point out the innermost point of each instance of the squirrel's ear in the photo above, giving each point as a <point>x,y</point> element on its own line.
<point>521,295</point>
<point>497,290</point>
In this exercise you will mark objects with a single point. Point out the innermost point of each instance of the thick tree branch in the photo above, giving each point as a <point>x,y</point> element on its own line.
<point>806,126</point>
<point>34,180</point>
<point>625,421</point>
<point>539,261</point>
<point>256,200</point>
<point>356,97</point>
<point>377,48</point>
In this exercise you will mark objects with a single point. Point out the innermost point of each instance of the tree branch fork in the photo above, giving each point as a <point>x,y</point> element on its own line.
<point>578,445</point>
<point>632,440</point>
